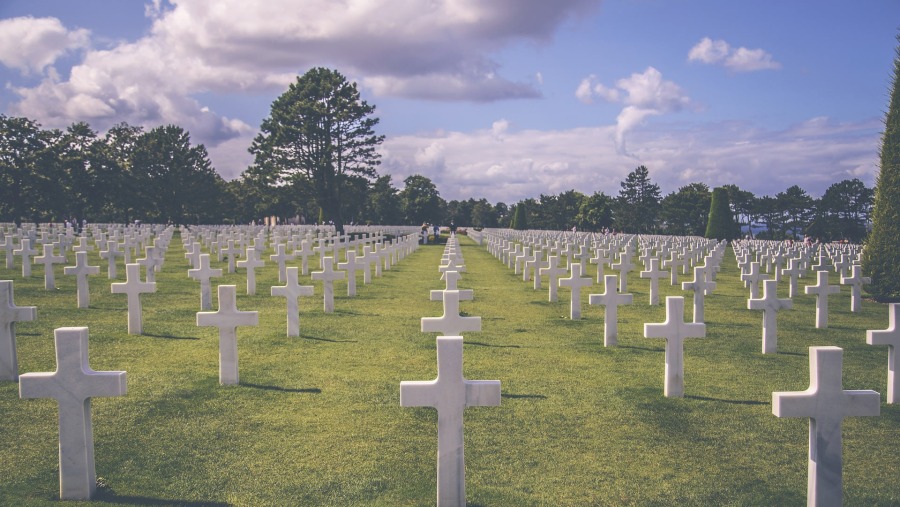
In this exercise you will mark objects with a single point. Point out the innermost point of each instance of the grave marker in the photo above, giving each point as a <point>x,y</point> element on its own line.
<point>81,270</point>
<point>451,323</point>
<point>134,287</point>
<point>328,275</point>
<point>674,330</point>
<point>48,259</point>
<point>450,393</point>
<point>821,289</point>
<point>203,273</point>
<point>227,319</point>
<point>826,404</point>
<point>9,315</point>
<point>889,337</point>
<point>292,291</point>
<point>575,282</point>
<point>73,384</point>
<point>611,300</point>
<point>769,304</point>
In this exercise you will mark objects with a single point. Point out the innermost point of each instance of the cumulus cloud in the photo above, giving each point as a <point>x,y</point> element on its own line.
<point>30,44</point>
<point>812,154</point>
<point>644,95</point>
<point>439,50</point>
<point>719,52</point>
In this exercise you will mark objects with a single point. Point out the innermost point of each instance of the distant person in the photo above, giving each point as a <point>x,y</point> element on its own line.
<point>437,232</point>
<point>452,228</point>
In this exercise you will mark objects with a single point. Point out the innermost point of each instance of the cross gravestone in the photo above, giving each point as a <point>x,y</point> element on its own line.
<point>9,315</point>
<point>81,270</point>
<point>305,252</point>
<point>654,274</point>
<point>889,337</point>
<point>611,300</point>
<point>701,287</point>
<point>855,281</point>
<point>752,279</point>
<point>280,257</point>
<point>25,252</point>
<point>134,287</point>
<point>552,272</point>
<point>351,265</point>
<point>152,261</point>
<point>328,275</point>
<point>769,304</point>
<point>231,251</point>
<point>227,319</point>
<point>8,246</point>
<point>73,384</point>
<point>110,254</point>
<point>821,289</point>
<point>674,330</point>
<point>623,267</point>
<point>450,278</point>
<point>292,291</point>
<point>575,282</point>
<point>826,404</point>
<point>450,393</point>
<point>203,273</point>
<point>794,271</point>
<point>250,263</point>
<point>450,323</point>
<point>48,259</point>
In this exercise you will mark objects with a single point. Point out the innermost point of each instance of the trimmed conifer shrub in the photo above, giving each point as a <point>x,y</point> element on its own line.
<point>881,257</point>
<point>720,224</point>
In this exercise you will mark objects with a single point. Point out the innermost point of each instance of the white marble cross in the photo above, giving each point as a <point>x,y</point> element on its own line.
<point>152,261</point>
<point>826,404</point>
<point>855,281</point>
<point>889,337</point>
<point>134,287</point>
<point>48,259</point>
<point>450,278</point>
<point>203,273</point>
<point>821,289</point>
<point>601,257</point>
<point>552,272</point>
<point>231,251</point>
<point>674,330</point>
<point>73,384</point>
<point>369,257</point>
<point>25,252</point>
<point>674,261</point>
<point>8,246</point>
<point>351,265</point>
<point>701,287</point>
<point>450,393</point>
<point>769,304</point>
<point>227,319</point>
<point>575,282</point>
<point>292,292</point>
<point>9,315</point>
<point>623,267</point>
<point>328,275</point>
<point>304,253</point>
<point>794,271</point>
<point>250,263</point>
<point>611,300</point>
<point>81,270</point>
<point>451,323</point>
<point>654,274</point>
<point>280,257</point>
<point>752,279</point>
<point>110,254</point>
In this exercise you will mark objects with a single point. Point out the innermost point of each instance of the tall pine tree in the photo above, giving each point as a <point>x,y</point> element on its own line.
<point>881,258</point>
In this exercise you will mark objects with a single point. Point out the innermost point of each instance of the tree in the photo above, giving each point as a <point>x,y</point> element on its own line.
<point>22,144</point>
<point>686,211</point>
<point>798,208</point>
<point>721,223</point>
<point>383,203</point>
<point>595,212</point>
<point>743,204</point>
<point>420,201</point>
<point>881,257</point>
<point>321,131</point>
<point>178,183</point>
<point>637,206</point>
<point>520,217</point>
<point>843,212</point>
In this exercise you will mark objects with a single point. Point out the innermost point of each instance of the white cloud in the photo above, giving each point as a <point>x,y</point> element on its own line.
<point>645,94</point>
<point>30,44</point>
<point>714,52</point>
<point>531,162</point>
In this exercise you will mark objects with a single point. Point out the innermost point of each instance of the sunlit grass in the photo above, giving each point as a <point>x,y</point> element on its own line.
<point>316,420</point>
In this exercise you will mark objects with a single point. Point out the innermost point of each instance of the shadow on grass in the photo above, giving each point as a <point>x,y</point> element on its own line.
<point>792,353</point>
<point>736,402</point>
<point>109,497</point>
<point>308,390</point>
<point>320,339</point>
<point>648,349</point>
<point>523,396</point>
<point>495,346</point>
<point>171,337</point>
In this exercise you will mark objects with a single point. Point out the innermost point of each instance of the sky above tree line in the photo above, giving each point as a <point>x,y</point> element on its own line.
<point>504,100</point>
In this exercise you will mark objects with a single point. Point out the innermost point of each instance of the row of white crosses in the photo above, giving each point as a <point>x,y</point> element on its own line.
<point>450,393</point>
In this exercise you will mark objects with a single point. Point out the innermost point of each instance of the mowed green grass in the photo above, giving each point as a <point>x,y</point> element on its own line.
<point>316,420</point>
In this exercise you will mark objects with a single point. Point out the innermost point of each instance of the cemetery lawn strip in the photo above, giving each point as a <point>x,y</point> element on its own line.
<point>316,420</point>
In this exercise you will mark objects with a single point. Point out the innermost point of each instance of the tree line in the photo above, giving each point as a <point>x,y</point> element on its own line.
<point>316,159</point>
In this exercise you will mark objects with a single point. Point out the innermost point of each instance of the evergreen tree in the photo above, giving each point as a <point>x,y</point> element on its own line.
<point>638,203</point>
<point>720,224</point>
<point>520,218</point>
<point>881,258</point>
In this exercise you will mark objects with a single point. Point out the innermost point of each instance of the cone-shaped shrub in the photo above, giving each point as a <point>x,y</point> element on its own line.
<point>720,224</point>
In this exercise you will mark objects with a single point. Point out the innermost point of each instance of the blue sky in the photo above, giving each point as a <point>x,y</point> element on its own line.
<point>504,100</point>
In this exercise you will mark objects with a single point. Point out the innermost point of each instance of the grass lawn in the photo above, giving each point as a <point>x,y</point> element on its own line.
<point>316,420</point>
